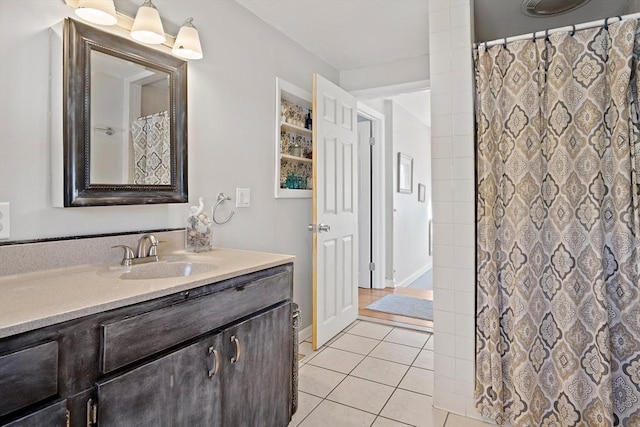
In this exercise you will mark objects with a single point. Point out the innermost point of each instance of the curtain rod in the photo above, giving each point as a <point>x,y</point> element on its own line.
<point>530,36</point>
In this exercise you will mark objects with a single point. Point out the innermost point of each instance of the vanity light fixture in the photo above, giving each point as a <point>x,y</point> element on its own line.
<point>147,27</point>
<point>187,43</point>
<point>101,12</point>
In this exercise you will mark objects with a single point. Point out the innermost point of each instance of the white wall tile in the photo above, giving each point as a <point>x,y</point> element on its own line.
<point>440,80</point>
<point>442,277</point>
<point>462,102</point>
<point>465,280</point>
<point>461,59</point>
<point>440,42</point>
<point>463,388</point>
<point>445,367</point>
<point>463,213</point>
<point>446,343</point>
<point>465,306</point>
<point>441,147</point>
<point>463,79</point>
<point>439,21</point>
<point>444,103</point>
<point>464,256</point>
<point>465,348</point>
<point>459,15</point>
<point>441,169</point>
<point>463,146</point>
<point>443,256</point>
<point>449,401</point>
<point>464,235</point>
<point>464,191</point>
<point>442,236</point>
<point>443,212</point>
<point>463,124</point>
<point>447,302</point>
<point>464,168</point>
<point>461,38</point>
<point>436,5</point>
<point>446,321</point>
<point>442,191</point>
<point>465,324</point>
<point>441,125</point>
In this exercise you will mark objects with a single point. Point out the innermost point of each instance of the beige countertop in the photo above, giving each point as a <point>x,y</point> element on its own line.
<point>35,300</point>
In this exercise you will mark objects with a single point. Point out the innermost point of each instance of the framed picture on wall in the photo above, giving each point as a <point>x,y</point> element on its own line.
<point>405,173</point>
<point>421,193</point>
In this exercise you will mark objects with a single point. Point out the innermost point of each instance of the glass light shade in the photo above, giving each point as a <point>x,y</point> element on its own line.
<point>101,12</point>
<point>147,27</point>
<point>187,43</point>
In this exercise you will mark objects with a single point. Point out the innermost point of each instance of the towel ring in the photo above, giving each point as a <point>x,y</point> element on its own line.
<point>221,199</point>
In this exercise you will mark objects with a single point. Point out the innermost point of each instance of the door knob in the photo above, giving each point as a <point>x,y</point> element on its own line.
<point>323,227</point>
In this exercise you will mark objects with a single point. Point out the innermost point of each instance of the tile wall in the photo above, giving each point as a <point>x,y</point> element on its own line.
<point>453,203</point>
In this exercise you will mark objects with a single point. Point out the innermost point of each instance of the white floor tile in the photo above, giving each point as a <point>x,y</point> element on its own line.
<point>429,344</point>
<point>336,360</point>
<point>424,360</point>
<point>457,421</point>
<point>318,381</point>
<point>335,415</point>
<point>407,337</point>
<point>418,380</point>
<point>395,352</point>
<point>381,371</point>
<point>410,408</point>
<point>351,326</point>
<point>439,417</point>
<point>386,422</point>
<point>306,404</point>
<point>361,394</point>
<point>371,330</point>
<point>355,344</point>
<point>306,348</point>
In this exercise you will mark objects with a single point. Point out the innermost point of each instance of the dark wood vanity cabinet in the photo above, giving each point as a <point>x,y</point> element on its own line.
<point>217,355</point>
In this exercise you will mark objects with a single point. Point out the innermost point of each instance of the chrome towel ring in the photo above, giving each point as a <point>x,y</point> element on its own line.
<point>221,199</point>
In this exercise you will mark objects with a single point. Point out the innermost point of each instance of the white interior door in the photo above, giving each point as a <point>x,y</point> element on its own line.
<point>335,210</point>
<point>364,204</point>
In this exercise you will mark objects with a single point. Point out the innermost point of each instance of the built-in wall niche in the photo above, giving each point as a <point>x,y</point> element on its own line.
<point>293,141</point>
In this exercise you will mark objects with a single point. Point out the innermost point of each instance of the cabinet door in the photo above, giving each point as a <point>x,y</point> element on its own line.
<point>257,371</point>
<point>54,415</point>
<point>180,389</point>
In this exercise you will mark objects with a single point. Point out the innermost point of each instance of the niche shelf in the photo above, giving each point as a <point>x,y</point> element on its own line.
<point>293,167</point>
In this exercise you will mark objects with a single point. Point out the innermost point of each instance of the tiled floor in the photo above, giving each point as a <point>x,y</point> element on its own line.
<point>371,375</point>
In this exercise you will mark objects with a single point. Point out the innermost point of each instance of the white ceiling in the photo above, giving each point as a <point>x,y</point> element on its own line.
<point>349,34</point>
<point>494,19</point>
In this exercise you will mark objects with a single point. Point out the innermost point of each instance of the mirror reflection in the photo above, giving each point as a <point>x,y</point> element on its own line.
<point>130,123</point>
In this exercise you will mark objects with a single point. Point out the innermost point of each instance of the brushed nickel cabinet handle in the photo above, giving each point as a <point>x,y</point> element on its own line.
<point>216,362</point>
<point>235,341</point>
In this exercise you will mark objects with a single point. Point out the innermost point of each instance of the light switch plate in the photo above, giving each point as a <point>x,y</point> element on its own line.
<point>5,220</point>
<point>243,197</point>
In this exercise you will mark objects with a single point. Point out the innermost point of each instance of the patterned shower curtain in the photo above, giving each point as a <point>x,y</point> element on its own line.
<point>558,229</point>
<point>152,155</point>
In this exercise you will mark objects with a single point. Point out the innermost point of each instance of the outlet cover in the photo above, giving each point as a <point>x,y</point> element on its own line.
<point>243,197</point>
<point>5,220</point>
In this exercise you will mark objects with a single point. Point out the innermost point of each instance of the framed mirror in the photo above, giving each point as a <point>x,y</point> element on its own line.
<point>124,121</point>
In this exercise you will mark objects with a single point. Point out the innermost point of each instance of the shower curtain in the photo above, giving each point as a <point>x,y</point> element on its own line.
<point>558,229</point>
<point>150,137</point>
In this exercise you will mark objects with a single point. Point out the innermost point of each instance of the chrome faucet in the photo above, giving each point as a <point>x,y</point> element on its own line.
<point>143,253</point>
<point>152,251</point>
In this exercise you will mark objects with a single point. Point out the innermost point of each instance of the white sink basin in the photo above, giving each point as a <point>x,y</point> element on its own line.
<point>163,270</point>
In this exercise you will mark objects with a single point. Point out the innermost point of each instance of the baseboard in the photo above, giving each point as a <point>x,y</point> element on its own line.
<point>409,280</point>
<point>305,334</point>
<point>389,283</point>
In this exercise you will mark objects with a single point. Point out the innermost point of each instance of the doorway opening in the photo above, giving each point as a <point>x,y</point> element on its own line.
<point>395,223</point>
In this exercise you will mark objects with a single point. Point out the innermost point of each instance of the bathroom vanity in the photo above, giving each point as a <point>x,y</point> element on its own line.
<point>82,346</point>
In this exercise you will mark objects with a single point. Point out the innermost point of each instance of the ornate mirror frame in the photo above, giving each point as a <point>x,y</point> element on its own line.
<point>79,40</point>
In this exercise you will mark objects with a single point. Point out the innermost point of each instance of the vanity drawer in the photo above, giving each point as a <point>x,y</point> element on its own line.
<point>28,376</point>
<point>127,340</point>
<point>54,415</point>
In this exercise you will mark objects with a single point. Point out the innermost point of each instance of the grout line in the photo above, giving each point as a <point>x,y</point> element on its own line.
<point>446,418</point>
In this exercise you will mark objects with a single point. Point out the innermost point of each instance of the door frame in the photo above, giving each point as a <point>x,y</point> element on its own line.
<point>378,238</point>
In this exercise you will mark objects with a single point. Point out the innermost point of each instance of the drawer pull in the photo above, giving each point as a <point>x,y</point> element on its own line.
<point>216,362</point>
<point>235,341</point>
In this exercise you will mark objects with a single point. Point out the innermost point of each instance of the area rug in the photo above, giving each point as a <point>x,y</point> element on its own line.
<point>404,306</point>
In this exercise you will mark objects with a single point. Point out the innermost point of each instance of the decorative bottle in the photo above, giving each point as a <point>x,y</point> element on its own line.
<point>307,123</point>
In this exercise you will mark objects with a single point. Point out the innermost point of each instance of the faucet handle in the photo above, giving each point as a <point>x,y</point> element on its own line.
<point>128,254</point>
